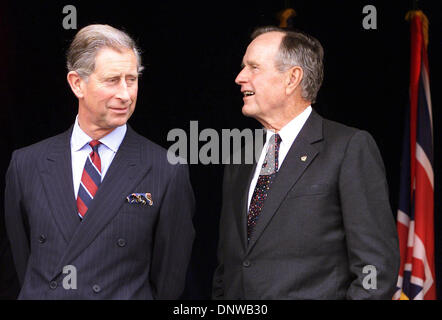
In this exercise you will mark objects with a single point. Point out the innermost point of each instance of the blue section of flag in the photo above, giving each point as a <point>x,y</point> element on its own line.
<point>424,134</point>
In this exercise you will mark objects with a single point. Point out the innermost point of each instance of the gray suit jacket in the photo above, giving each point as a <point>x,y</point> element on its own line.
<point>323,221</point>
<point>120,250</point>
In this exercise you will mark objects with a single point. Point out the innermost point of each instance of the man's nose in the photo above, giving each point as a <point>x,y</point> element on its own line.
<point>241,77</point>
<point>123,92</point>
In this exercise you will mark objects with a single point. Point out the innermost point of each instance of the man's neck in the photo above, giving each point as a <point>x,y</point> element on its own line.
<point>95,133</point>
<point>287,115</point>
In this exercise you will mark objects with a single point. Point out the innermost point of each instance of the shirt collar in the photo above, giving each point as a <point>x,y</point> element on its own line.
<point>290,131</point>
<point>112,140</point>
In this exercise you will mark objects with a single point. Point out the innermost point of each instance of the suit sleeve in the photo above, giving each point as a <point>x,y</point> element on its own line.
<point>15,219</point>
<point>9,287</point>
<point>371,235</point>
<point>174,235</point>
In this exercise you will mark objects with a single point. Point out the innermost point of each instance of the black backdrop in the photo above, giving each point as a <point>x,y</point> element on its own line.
<point>192,53</point>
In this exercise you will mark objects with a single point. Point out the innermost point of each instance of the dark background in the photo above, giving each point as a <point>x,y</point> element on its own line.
<point>192,52</point>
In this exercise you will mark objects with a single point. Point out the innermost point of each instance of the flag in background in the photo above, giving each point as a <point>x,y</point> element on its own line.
<point>415,216</point>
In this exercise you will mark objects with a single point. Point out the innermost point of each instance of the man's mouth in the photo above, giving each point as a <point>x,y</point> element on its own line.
<point>119,109</point>
<point>248,93</point>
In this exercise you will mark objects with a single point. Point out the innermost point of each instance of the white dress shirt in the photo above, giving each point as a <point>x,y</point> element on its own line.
<point>288,135</point>
<point>80,149</point>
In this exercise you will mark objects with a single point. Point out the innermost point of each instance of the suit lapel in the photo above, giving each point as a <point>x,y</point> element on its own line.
<point>125,172</point>
<point>241,192</point>
<point>244,179</point>
<point>299,157</point>
<point>56,174</point>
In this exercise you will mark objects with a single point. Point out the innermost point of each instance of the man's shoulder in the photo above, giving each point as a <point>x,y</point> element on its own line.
<point>337,128</point>
<point>340,131</point>
<point>147,145</point>
<point>40,148</point>
<point>158,156</point>
<point>341,134</point>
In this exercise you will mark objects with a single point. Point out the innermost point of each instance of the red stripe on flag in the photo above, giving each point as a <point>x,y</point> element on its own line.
<point>424,219</point>
<point>418,269</point>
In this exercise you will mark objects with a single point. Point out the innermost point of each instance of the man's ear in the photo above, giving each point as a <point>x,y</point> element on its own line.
<point>76,83</point>
<point>294,78</point>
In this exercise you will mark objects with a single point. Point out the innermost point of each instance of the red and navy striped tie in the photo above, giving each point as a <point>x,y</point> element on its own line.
<point>90,179</point>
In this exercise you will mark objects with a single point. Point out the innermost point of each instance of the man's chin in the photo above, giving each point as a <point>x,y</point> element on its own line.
<point>118,121</point>
<point>248,111</point>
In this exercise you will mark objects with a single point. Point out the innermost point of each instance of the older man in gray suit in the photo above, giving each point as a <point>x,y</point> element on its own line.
<point>98,212</point>
<point>311,219</point>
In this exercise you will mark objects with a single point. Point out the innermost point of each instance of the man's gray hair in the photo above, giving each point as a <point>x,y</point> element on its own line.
<point>89,40</point>
<point>299,49</point>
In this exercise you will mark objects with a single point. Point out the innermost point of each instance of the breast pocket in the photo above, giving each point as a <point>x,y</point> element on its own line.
<point>137,208</point>
<point>137,219</point>
<point>310,190</point>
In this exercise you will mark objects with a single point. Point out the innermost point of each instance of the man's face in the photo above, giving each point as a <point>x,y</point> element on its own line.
<point>262,85</point>
<point>110,92</point>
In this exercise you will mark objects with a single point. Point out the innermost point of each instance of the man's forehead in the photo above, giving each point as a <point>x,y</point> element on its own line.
<point>109,60</point>
<point>272,38</point>
<point>262,47</point>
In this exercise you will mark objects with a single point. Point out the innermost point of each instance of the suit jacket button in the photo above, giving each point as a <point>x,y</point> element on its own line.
<point>96,288</point>
<point>246,263</point>
<point>42,238</point>
<point>53,284</point>
<point>121,242</point>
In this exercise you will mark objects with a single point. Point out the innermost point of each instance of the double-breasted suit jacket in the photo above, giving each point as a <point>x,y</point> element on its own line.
<point>120,250</point>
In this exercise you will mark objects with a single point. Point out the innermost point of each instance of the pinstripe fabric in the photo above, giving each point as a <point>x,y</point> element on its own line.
<point>123,251</point>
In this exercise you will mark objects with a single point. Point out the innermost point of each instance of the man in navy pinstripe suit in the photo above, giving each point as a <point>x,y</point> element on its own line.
<point>124,229</point>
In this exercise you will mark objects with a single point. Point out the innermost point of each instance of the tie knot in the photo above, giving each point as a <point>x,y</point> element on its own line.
<point>94,145</point>
<point>277,138</point>
<point>271,163</point>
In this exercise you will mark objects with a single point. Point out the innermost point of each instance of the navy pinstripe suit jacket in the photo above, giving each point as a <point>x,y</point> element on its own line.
<point>120,250</point>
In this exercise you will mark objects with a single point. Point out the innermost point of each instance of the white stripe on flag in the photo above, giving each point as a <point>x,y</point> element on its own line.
<point>420,295</point>
<point>426,83</point>
<point>411,234</point>
<point>403,218</point>
<point>417,281</point>
<point>422,158</point>
<point>419,252</point>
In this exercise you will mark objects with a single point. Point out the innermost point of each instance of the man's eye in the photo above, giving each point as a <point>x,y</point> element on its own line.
<point>112,80</point>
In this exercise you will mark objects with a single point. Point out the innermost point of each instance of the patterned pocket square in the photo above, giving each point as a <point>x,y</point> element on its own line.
<point>142,198</point>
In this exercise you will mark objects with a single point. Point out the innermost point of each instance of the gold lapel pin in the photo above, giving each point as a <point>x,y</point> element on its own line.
<point>303,158</point>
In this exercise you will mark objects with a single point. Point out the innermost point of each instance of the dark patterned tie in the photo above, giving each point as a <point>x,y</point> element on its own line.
<point>267,174</point>
<point>90,179</point>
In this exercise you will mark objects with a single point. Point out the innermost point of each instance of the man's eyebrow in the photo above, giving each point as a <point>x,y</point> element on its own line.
<point>110,75</point>
<point>118,75</point>
<point>250,63</point>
